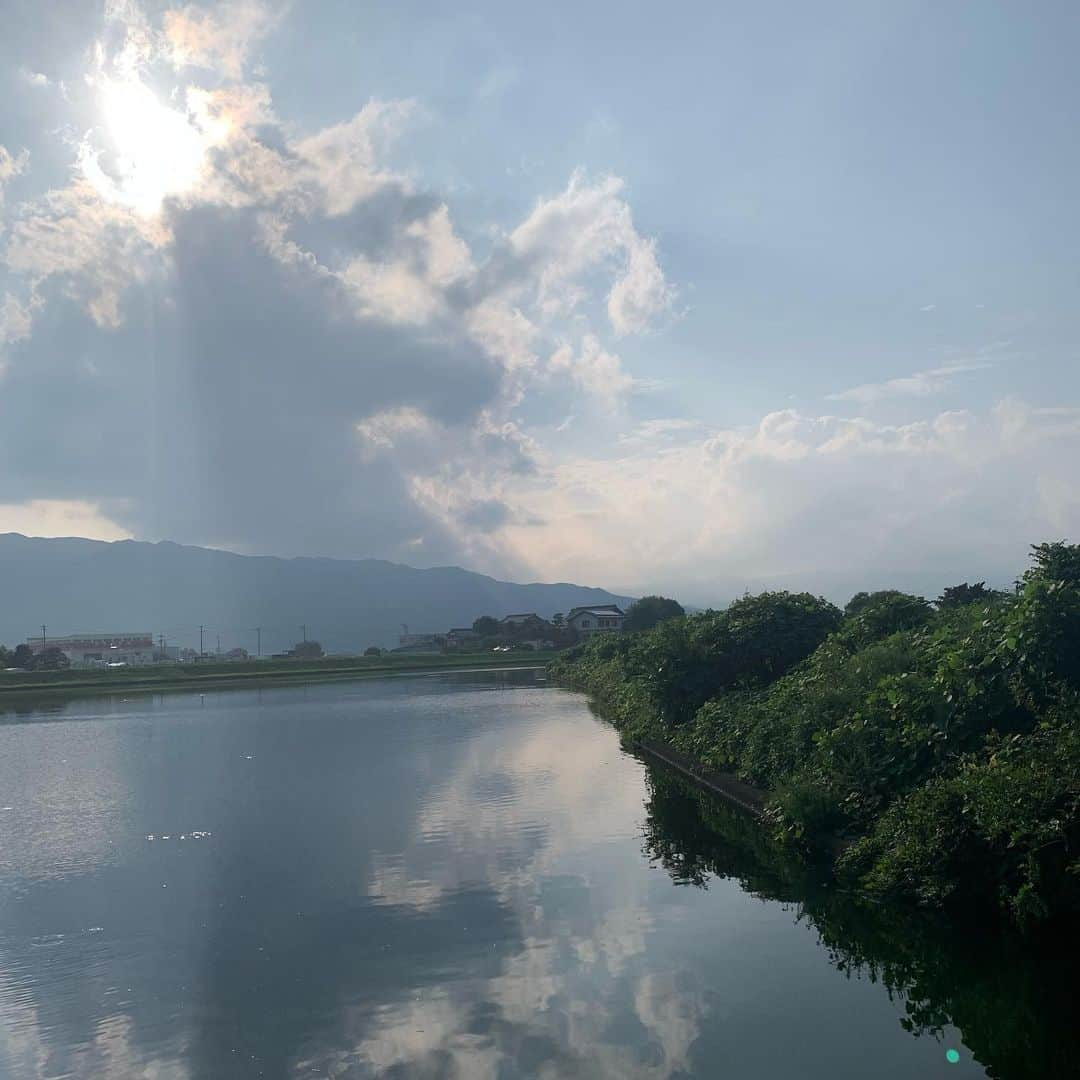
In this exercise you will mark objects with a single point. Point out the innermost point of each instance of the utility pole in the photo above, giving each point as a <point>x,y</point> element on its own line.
<point>303,630</point>
<point>42,637</point>
<point>161,643</point>
<point>219,644</point>
<point>258,638</point>
<point>200,641</point>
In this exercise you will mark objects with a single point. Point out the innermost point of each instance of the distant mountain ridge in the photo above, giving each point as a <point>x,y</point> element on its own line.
<point>74,585</point>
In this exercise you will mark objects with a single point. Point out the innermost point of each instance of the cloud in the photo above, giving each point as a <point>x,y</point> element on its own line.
<point>660,430</point>
<point>220,39</point>
<point>593,368</point>
<point>10,166</point>
<point>341,159</point>
<point>587,227</point>
<point>258,317</point>
<point>641,293</point>
<point>828,503</point>
<point>59,517</point>
<point>920,384</point>
<point>92,248</point>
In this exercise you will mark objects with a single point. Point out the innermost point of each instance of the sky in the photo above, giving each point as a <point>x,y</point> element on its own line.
<point>694,297</point>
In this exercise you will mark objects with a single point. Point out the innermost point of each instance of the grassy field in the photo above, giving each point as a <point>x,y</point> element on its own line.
<point>211,674</point>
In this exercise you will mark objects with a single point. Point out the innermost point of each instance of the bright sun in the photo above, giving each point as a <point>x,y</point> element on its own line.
<point>152,151</point>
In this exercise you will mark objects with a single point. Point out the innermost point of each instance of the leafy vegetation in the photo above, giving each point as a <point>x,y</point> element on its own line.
<point>647,612</point>
<point>930,752</point>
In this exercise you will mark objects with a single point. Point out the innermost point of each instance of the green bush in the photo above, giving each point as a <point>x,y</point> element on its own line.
<point>939,748</point>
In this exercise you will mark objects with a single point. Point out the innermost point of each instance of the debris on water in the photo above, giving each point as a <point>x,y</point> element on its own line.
<point>248,756</point>
<point>7,807</point>
<point>150,836</point>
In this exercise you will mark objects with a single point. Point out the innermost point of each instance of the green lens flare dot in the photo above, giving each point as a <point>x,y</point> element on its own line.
<point>952,1056</point>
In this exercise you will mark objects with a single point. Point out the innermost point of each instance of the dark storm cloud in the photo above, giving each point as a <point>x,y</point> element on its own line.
<point>225,407</point>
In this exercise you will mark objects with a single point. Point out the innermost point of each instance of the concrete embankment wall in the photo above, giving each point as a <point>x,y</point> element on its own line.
<point>728,787</point>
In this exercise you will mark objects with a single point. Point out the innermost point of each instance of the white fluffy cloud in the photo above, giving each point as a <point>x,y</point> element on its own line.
<point>585,228</point>
<point>10,165</point>
<point>593,368</point>
<point>218,39</point>
<point>94,248</point>
<point>818,502</point>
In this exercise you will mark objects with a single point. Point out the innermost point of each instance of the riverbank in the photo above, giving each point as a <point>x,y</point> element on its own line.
<point>924,752</point>
<point>210,675</point>
<point>724,786</point>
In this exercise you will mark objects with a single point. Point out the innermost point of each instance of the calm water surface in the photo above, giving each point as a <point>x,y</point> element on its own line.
<point>460,876</point>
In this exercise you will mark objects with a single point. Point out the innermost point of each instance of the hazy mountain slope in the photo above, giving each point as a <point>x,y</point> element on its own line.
<point>74,585</point>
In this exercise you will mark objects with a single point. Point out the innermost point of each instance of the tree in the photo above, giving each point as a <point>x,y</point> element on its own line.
<point>558,620</point>
<point>373,650</point>
<point>23,656</point>
<point>50,659</point>
<point>958,595</point>
<point>650,610</point>
<point>307,650</point>
<point>684,662</point>
<point>486,626</point>
<point>876,615</point>
<point>1057,561</point>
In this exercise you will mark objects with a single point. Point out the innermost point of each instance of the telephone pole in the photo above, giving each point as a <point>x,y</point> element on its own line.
<point>200,641</point>
<point>258,638</point>
<point>42,637</point>
<point>219,644</point>
<point>303,630</point>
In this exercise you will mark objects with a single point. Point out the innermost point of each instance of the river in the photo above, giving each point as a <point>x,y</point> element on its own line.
<point>452,876</point>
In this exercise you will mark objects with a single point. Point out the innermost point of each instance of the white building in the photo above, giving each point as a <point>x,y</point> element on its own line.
<point>89,650</point>
<point>599,619</point>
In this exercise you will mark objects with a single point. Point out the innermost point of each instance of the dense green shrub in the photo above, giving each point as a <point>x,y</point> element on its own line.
<point>666,674</point>
<point>940,749</point>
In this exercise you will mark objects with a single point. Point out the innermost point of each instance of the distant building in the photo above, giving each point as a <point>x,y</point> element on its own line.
<point>420,643</point>
<point>88,650</point>
<point>598,619</point>
<point>528,619</point>
<point>461,635</point>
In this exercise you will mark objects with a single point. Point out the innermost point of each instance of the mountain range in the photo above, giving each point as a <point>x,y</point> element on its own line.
<point>72,585</point>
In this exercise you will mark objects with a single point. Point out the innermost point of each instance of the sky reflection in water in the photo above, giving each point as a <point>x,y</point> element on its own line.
<point>433,877</point>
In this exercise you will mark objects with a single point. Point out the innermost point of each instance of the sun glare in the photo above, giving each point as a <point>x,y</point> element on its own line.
<point>151,150</point>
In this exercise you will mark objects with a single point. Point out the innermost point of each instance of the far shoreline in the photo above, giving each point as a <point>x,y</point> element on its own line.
<point>197,677</point>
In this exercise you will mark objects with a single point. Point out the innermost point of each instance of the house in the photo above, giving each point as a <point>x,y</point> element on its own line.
<point>420,643</point>
<point>458,636</point>
<point>528,619</point>
<point>600,618</point>
<point>93,649</point>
